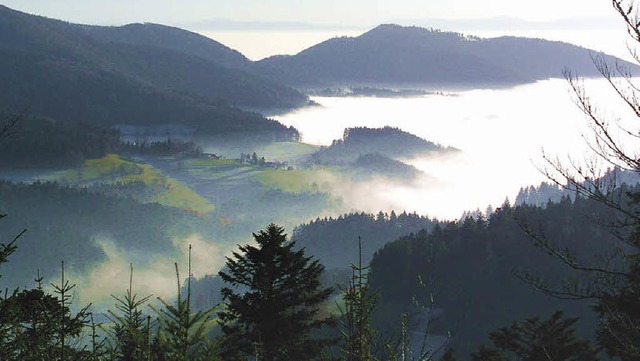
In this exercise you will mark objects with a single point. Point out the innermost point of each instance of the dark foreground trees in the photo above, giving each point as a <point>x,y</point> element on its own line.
<point>612,282</point>
<point>272,301</point>
<point>537,340</point>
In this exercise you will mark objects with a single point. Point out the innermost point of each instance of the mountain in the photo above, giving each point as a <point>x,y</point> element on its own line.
<point>69,72</point>
<point>413,56</point>
<point>170,38</point>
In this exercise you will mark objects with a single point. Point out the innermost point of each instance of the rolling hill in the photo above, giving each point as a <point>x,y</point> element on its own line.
<point>392,143</point>
<point>412,56</point>
<point>70,72</point>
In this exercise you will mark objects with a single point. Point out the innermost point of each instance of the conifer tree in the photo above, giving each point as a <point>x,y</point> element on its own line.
<point>536,340</point>
<point>8,322</point>
<point>131,329</point>
<point>181,335</point>
<point>613,281</point>
<point>359,303</point>
<point>41,326</point>
<point>68,326</point>
<point>272,301</point>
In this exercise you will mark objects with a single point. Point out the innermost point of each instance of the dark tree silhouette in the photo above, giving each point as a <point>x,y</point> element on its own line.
<point>613,281</point>
<point>272,301</point>
<point>536,340</point>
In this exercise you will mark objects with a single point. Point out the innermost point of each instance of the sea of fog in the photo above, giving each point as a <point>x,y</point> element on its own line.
<point>502,134</point>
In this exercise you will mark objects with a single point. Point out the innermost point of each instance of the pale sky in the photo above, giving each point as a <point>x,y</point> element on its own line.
<point>260,28</point>
<point>343,12</point>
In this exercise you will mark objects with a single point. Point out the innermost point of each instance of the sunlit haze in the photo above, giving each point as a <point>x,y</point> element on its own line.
<point>352,12</point>
<point>196,139</point>
<point>502,135</point>
<point>259,30</point>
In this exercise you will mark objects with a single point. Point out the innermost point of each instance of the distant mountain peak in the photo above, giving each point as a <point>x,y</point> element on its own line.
<point>400,33</point>
<point>392,55</point>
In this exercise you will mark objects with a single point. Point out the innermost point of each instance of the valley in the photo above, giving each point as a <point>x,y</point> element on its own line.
<point>421,170</point>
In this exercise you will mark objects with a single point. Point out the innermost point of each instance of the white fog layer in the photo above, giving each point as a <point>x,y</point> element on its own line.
<point>501,133</point>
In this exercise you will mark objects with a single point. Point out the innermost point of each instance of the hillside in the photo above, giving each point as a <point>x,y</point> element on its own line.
<point>388,141</point>
<point>44,142</point>
<point>469,269</point>
<point>413,56</point>
<point>72,225</point>
<point>59,70</point>
<point>169,38</point>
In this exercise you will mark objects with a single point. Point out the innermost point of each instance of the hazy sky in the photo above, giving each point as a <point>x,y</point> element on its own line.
<point>263,28</point>
<point>345,12</point>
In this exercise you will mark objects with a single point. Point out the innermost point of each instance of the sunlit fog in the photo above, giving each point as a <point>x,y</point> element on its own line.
<point>319,180</point>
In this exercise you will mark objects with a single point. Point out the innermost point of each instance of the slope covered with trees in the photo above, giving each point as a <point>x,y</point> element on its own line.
<point>389,142</point>
<point>170,38</point>
<point>334,241</point>
<point>44,142</point>
<point>472,269</point>
<point>63,224</point>
<point>413,56</point>
<point>58,70</point>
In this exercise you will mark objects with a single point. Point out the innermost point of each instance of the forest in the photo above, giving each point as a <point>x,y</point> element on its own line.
<point>122,241</point>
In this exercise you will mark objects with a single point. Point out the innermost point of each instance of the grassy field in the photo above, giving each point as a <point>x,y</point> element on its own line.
<point>295,181</point>
<point>213,163</point>
<point>288,151</point>
<point>116,169</point>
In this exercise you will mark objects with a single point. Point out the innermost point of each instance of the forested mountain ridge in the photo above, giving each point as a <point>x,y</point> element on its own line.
<point>170,38</point>
<point>469,268</point>
<point>334,241</point>
<point>45,142</point>
<point>58,70</point>
<point>414,56</point>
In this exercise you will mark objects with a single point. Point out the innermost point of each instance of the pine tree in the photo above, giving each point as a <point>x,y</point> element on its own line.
<point>7,320</point>
<point>182,332</point>
<point>536,340</point>
<point>131,328</point>
<point>41,326</point>
<point>272,301</point>
<point>68,326</point>
<point>359,303</point>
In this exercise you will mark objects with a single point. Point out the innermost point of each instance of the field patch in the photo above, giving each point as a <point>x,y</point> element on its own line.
<point>295,181</point>
<point>115,169</point>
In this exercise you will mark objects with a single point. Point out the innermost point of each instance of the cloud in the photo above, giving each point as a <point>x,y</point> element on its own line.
<point>153,273</point>
<point>207,257</point>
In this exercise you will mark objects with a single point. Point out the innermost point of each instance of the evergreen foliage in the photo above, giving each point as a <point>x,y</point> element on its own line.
<point>7,249</point>
<point>388,142</point>
<point>611,282</point>
<point>35,325</point>
<point>538,340</point>
<point>272,301</point>
<point>43,142</point>
<point>131,329</point>
<point>181,333</point>
<point>358,334</point>
<point>462,260</point>
<point>332,240</point>
<point>63,223</point>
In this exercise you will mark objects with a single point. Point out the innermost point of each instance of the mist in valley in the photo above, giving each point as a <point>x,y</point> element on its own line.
<point>184,149</point>
<point>501,135</point>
